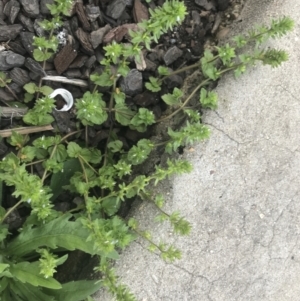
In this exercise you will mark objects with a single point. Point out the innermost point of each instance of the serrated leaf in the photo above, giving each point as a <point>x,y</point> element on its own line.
<point>29,272</point>
<point>154,85</point>
<point>28,97</point>
<point>60,153</point>
<point>174,98</point>
<point>17,139</point>
<point>115,146</point>
<point>37,119</point>
<point>111,205</point>
<point>208,99</point>
<point>60,179</point>
<point>163,70</point>
<point>91,155</point>
<point>123,114</point>
<point>119,97</point>
<point>45,90</point>
<point>73,150</point>
<point>40,56</point>
<point>103,80</point>
<point>27,153</point>
<point>60,232</point>
<point>30,88</point>
<point>75,290</point>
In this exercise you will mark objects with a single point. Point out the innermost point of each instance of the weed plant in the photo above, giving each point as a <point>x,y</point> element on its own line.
<point>29,259</point>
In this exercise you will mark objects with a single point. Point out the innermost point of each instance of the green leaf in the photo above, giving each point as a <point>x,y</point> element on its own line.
<point>31,88</point>
<point>140,152</point>
<point>40,56</point>
<point>28,97</point>
<point>60,153</point>
<point>3,285</point>
<point>119,97</point>
<point>52,165</point>
<point>36,118</point>
<point>60,232</point>
<point>91,109</point>
<point>115,146</point>
<point>226,53</point>
<point>27,272</point>
<point>207,65</point>
<point>60,179</point>
<point>27,153</point>
<point>73,150</point>
<point>111,205</point>
<point>154,85</point>
<point>16,104</point>
<point>208,99</point>
<point>123,69</point>
<point>174,98</point>
<point>103,80</point>
<point>123,114</point>
<point>91,155</point>
<point>3,228</point>
<point>3,266</point>
<point>27,292</point>
<point>163,70</point>
<point>62,260</point>
<point>142,119</point>
<point>239,70</point>
<point>75,290</point>
<point>240,41</point>
<point>17,139</point>
<point>4,80</point>
<point>45,90</point>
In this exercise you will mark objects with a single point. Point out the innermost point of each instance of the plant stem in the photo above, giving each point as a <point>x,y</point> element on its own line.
<point>44,66</point>
<point>35,162</point>
<point>149,240</point>
<point>110,109</point>
<point>10,210</point>
<point>51,155</point>
<point>86,136</point>
<point>182,70</point>
<point>88,164</point>
<point>205,82</point>
<point>12,92</point>
<point>144,196</point>
<point>9,89</point>
<point>70,134</point>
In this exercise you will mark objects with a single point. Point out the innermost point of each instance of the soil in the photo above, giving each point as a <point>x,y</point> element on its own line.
<point>91,22</point>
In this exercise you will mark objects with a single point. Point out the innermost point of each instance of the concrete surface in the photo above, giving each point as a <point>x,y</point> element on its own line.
<point>242,197</point>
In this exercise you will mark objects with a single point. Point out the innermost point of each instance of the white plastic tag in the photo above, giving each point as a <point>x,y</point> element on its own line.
<point>66,95</point>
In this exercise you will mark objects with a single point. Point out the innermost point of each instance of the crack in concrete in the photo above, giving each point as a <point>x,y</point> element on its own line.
<point>286,90</point>
<point>227,135</point>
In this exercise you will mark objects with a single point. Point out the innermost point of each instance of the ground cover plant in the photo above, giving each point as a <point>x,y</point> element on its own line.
<point>101,178</point>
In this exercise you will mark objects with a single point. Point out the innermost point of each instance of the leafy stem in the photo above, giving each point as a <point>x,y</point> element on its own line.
<point>202,84</point>
<point>51,155</point>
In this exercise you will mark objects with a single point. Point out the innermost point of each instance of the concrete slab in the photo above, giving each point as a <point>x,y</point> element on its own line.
<point>242,197</point>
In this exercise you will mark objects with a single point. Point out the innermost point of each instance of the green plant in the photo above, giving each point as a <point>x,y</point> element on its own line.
<point>45,49</point>
<point>31,89</point>
<point>4,81</point>
<point>103,178</point>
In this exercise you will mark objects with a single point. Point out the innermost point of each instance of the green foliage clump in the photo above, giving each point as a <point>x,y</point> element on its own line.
<point>102,180</point>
